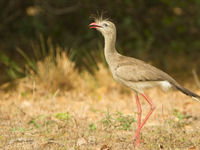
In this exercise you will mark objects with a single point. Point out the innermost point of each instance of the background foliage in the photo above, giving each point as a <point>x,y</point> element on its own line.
<point>163,31</point>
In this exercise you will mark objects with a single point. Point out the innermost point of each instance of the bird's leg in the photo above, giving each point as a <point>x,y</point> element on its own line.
<point>137,134</point>
<point>150,112</point>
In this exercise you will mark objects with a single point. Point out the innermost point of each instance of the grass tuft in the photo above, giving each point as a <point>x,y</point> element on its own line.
<point>63,116</point>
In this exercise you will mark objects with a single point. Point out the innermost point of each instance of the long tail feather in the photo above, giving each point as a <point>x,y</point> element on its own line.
<point>188,93</point>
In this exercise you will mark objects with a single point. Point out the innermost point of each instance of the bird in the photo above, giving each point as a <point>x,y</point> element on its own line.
<point>134,73</point>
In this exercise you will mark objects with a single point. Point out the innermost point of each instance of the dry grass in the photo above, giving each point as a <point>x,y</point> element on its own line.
<point>62,109</point>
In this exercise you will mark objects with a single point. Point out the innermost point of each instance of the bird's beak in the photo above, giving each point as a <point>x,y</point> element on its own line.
<point>94,25</point>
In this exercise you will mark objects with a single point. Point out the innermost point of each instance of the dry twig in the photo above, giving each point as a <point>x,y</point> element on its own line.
<point>20,140</point>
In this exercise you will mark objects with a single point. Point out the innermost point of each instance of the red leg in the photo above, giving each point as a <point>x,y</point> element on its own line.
<point>139,117</point>
<point>137,134</point>
<point>150,112</point>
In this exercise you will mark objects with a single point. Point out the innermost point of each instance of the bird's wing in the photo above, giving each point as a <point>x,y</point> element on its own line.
<point>141,72</point>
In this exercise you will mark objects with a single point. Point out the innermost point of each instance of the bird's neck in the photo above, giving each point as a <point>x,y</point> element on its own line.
<point>109,48</point>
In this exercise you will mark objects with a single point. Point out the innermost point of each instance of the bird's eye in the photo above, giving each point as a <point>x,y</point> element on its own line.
<point>105,24</point>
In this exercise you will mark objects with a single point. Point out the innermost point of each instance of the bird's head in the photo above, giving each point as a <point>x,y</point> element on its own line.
<point>106,27</point>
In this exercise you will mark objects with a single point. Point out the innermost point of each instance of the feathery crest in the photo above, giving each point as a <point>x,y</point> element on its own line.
<point>99,17</point>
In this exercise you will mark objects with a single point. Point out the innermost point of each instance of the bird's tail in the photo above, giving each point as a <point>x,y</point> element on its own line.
<point>188,92</point>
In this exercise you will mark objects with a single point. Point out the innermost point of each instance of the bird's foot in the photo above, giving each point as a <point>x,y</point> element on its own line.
<point>135,137</point>
<point>137,143</point>
<point>136,140</point>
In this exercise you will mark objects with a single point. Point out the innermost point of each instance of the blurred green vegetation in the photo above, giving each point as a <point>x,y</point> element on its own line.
<point>162,32</point>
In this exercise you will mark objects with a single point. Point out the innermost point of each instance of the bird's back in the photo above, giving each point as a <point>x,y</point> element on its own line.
<point>138,70</point>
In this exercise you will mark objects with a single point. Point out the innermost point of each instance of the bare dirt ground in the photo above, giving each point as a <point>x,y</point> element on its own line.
<point>52,112</point>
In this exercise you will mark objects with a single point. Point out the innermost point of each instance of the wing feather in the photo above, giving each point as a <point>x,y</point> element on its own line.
<point>141,72</point>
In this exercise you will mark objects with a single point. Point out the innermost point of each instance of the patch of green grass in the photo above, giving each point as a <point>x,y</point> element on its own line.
<point>118,120</point>
<point>63,116</point>
<point>178,114</point>
<point>92,127</point>
<point>20,129</point>
<point>33,122</point>
<point>124,121</point>
<point>108,120</point>
<point>25,94</point>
